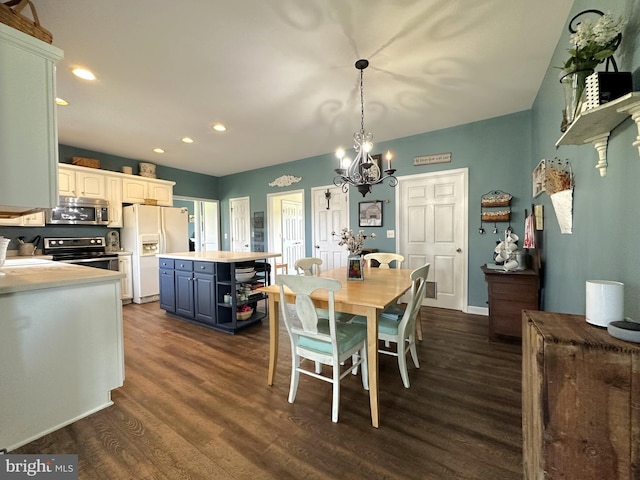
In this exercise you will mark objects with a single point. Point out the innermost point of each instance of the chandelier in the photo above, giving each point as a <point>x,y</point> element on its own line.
<point>364,171</point>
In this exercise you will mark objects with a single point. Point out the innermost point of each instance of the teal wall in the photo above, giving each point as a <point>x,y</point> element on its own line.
<point>605,222</point>
<point>496,152</point>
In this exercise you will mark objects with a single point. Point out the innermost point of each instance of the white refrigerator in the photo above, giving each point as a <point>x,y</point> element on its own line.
<point>147,231</point>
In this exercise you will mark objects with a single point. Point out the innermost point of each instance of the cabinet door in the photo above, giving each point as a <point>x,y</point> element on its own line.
<point>134,190</point>
<point>161,192</point>
<point>126,284</point>
<point>114,197</point>
<point>90,185</point>
<point>167,290</point>
<point>184,294</point>
<point>33,220</point>
<point>205,304</point>
<point>28,133</point>
<point>66,182</point>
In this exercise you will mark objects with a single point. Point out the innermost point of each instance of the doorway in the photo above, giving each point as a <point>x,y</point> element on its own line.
<point>432,227</point>
<point>204,222</point>
<point>285,212</point>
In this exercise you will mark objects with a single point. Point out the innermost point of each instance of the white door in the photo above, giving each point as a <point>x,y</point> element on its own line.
<point>432,227</point>
<point>329,215</point>
<point>292,232</point>
<point>209,240</point>
<point>240,224</point>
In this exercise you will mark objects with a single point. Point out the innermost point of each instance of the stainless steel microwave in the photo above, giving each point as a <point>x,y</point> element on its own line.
<point>79,211</point>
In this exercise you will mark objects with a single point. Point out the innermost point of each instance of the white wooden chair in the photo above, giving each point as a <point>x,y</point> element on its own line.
<point>323,341</point>
<point>308,265</point>
<point>384,259</point>
<point>401,330</point>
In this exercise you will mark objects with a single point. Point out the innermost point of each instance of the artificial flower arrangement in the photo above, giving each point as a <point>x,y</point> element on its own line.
<point>353,242</point>
<point>594,42</point>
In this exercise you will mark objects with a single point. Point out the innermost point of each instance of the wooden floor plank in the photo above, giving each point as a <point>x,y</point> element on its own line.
<point>196,405</point>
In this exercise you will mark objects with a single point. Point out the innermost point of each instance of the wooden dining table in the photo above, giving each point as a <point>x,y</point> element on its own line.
<point>379,289</point>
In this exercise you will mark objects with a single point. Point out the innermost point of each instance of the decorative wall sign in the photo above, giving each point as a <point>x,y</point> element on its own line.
<point>285,181</point>
<point>537,178</point>
<point>431,159</point>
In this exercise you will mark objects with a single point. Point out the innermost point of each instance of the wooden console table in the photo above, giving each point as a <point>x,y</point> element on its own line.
<point>580,400</point>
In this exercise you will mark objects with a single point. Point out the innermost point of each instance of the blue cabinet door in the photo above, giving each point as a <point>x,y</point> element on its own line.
<point>167,290</point>
<point>205,303</point>
<point>184,294</point>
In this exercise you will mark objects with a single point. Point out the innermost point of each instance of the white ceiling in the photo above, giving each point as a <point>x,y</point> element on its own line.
<point>280,73</point>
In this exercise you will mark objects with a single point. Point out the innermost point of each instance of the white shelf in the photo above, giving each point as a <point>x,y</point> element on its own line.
<point>595,125</point>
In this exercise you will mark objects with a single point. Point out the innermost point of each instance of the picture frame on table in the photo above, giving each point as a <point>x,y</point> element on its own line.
<point>537,178</point>
<point>355,268</point>
<point>370,214</point>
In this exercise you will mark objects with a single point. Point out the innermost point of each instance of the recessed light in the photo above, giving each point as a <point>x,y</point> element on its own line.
<point>158,150</point>
<point>83,73</point>
<point>61,101</point>
<point>218,127</point>
<point>187,140</point>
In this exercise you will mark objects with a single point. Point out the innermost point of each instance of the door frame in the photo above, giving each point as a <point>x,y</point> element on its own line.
<point>195,200</point>
<point>273,216</point>
<point>464,172</point>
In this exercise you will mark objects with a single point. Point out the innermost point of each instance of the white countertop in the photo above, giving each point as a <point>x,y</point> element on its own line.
<point>220,256</point>
<point>28,273</point>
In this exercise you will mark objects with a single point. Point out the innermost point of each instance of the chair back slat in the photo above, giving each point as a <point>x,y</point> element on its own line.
<point>384,259</point>
<point>308,265</point>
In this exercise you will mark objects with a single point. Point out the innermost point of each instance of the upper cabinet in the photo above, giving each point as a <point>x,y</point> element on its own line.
<point>28,134</point>
<point>74,182</point>
<point>138,189</point>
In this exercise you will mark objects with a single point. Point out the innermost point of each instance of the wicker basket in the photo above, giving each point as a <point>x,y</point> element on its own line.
<point>244,315</point>
<point>85,162</point>
<point>10,15</point>
<point>498,216</point>
<point>150,201</point>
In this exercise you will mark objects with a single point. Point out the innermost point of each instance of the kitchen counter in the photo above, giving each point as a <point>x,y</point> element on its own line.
<point>61,348</point>
<point>28,273</point>
<point>220,256</point>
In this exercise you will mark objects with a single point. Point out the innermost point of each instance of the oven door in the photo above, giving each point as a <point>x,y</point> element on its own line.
<point>106,263</point>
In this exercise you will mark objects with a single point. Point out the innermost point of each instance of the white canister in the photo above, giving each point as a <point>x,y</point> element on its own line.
<point>605,302</point>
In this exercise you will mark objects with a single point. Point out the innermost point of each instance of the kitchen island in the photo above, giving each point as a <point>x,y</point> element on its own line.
<point>215,289</point>
<point>61,348</point>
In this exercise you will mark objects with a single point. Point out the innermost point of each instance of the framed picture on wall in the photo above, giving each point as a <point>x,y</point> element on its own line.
<point>370,214</point>
<point>537,178</point>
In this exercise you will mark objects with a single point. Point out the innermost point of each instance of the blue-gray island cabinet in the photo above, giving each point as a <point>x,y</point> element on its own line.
<point>205,288</point>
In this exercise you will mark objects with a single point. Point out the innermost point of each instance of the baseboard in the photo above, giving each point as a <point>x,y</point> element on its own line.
<point>478,310</point>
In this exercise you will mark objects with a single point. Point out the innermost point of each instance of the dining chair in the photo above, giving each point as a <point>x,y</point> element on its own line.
<point>384,259</point>
<point>401,329</point>
<point>320,340</point>
<point>308,265</point>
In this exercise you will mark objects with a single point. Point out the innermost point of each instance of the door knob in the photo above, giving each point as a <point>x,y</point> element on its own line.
<point>317,246</point>
<point>459,250</point>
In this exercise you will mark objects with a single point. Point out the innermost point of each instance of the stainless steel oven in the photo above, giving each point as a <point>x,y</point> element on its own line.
<point>86,251</point>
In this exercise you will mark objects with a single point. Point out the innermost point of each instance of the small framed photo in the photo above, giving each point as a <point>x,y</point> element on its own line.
<point>355,269</point>
<point>370,214</point>
<point>537,178</point>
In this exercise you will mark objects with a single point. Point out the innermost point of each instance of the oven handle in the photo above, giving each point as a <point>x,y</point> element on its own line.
<point>90,260</point>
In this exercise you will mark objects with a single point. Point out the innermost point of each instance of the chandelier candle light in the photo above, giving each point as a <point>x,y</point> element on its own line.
<point>363,172</point>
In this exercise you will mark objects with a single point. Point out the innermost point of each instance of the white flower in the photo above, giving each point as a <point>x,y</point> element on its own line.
<point>353,242</point>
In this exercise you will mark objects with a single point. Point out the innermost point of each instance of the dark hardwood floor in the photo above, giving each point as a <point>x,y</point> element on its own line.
<point>196,405</point>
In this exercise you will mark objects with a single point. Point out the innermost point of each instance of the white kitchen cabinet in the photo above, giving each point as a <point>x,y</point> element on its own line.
<point>136,189</point>
<point>81,182</point>
<point>126,284</point>
<point>28,132</point>
<point>31,220</point>
<point>113,185</point>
